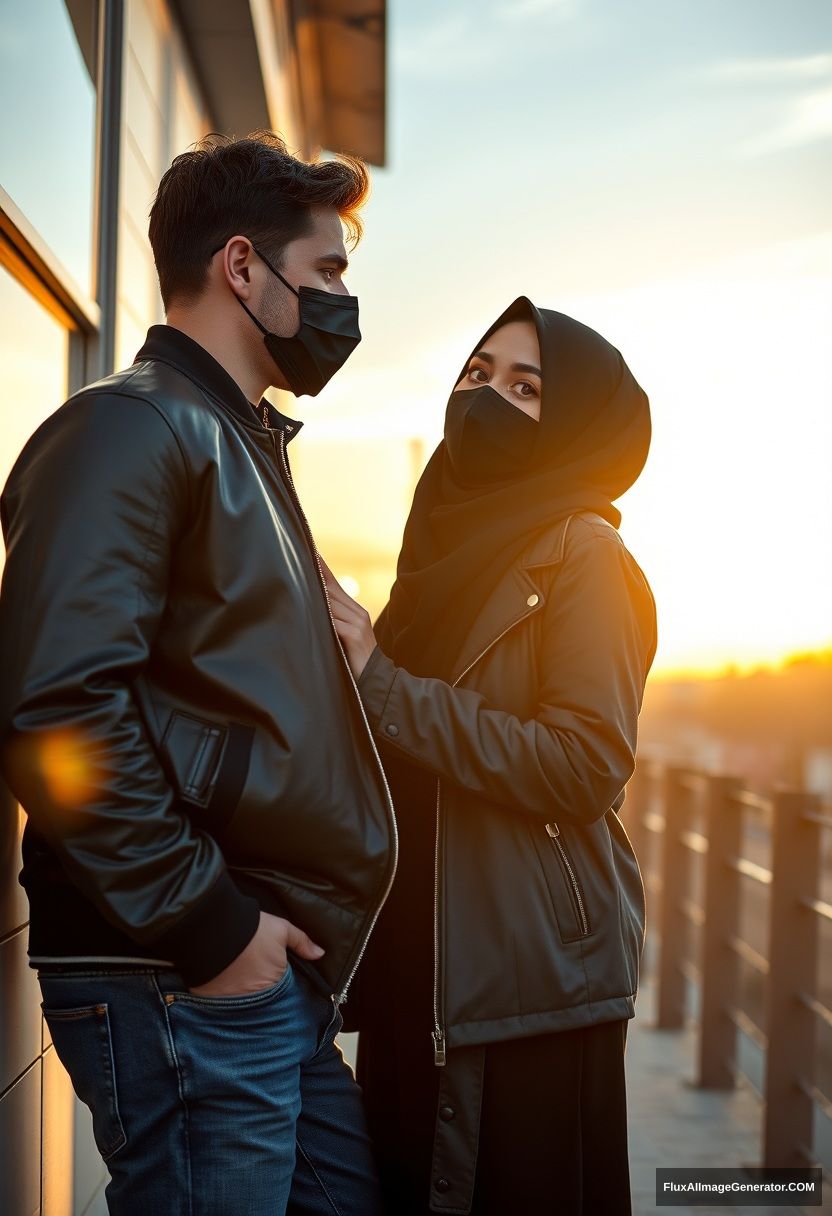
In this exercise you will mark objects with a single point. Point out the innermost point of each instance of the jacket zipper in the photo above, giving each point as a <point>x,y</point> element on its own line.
<point>554,832</point>
<point>341,996</point>
<point>438,1032</point>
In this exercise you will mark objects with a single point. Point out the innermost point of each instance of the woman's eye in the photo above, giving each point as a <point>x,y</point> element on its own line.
<point>478,375</point>
<point>522,386</point>
<point>328,274</point>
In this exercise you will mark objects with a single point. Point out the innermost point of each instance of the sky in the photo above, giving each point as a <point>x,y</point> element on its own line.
<point>663,172</point>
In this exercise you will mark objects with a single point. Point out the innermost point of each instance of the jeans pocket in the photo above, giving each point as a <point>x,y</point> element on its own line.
<point>84,1044</point>
<point>245,1000</point>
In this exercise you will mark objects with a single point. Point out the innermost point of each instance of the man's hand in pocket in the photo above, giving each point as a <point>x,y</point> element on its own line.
<point>263,961</point>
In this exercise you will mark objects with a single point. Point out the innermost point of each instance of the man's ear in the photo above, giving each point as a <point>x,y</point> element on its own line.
<point>238,258</point>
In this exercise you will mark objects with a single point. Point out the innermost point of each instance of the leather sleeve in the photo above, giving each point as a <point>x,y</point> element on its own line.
<point>90,517</point>
<point>573,759</point>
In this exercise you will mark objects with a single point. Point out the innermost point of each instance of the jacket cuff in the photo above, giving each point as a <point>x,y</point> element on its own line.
<point>375,684</point>
<point>207,939</point>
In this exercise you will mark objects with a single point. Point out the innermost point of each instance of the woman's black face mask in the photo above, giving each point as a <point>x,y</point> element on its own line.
<point>486,437</point>
<point>327,336</point>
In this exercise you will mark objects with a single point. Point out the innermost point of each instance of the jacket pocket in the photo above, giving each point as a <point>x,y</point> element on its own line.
<point>207,763</point>
<point>83,1042</point>
<point>565,888</point>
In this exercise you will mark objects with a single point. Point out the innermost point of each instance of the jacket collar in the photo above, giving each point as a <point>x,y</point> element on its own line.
<point>170,345</point>
<point>520,593</point>
<point>547,547</point>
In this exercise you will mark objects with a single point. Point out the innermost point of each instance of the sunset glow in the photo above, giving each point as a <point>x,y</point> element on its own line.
<point>674,202</point>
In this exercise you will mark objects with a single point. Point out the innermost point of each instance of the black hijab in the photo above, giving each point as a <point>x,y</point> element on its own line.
<point>591,444</point>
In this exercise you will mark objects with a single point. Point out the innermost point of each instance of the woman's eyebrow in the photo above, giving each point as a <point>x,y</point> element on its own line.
<point>515,367</point>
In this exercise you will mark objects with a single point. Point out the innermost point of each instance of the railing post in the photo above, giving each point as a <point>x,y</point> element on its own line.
<point>719,962</point>
<point>670,1013</point>
<point>793,938</point>
<point>635,808</point>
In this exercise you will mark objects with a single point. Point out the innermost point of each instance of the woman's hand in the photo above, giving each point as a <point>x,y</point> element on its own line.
<point>352,623</point>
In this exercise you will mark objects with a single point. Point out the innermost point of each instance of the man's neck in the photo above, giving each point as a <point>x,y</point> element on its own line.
<point>231,355</point>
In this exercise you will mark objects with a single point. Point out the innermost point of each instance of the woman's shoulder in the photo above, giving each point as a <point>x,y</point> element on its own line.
<point>586,526</point>
<point>596,550</point>
<point>564,536</point>
<point>586,531</point>
<point>584,538</point>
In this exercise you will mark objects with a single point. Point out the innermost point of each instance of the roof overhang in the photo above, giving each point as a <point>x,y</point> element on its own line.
<point>346,104</point>
<point>314,70</point>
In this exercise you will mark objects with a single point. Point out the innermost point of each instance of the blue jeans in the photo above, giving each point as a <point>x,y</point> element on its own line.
<point>214,1106</point>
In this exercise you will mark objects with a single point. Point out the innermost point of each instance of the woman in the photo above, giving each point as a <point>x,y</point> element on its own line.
<point>504,681</point>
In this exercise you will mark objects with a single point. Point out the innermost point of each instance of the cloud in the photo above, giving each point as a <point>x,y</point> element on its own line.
<point>526,10</point>
<point>807,121</point>
<point>806,118</point>
<point>441,47</point>
<point>803,67</point>
<point>467,38</point>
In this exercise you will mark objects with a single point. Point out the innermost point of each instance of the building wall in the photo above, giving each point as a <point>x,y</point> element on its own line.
<point>48,1160</point>
<point>64,324</point>
<point>163,114</point>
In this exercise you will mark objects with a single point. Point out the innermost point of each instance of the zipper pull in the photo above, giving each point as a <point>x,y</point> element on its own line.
<point>438,1037</point>
<point>553,830</point>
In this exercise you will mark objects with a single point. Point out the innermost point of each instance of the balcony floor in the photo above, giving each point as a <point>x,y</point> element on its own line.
<point>672,1123</point>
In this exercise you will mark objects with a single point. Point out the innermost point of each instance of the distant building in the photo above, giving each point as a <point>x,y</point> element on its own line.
<point>98,96</point>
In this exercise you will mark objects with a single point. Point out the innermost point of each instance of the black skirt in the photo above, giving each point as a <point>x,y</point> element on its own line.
<point>553,1128</point>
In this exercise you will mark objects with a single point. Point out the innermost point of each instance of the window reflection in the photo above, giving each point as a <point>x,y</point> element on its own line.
<point>47,137</point>
<point>34,360</point>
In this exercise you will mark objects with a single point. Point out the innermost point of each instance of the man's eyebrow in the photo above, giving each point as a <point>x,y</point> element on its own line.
<point>338,258</point>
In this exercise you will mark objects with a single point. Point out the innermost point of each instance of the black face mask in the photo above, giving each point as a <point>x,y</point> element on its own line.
<point>487,438</point>
<point>327,336</point>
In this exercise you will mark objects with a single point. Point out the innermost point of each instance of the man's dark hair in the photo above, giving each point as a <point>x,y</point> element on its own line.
<point>252,186</point>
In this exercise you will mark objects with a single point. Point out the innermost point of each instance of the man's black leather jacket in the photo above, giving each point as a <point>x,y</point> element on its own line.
<point>177,714</point>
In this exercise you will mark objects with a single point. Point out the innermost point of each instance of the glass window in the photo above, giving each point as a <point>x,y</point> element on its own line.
<point>47,137</point>
<point>34,349</point>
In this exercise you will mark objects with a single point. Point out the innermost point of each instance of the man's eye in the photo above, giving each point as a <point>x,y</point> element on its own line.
<point>328,274</point>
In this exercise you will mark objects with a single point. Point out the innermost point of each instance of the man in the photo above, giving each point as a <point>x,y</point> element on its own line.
<point>180,723</point>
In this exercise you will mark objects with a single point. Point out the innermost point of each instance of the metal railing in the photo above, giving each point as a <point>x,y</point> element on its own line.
<point>688,829</point>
